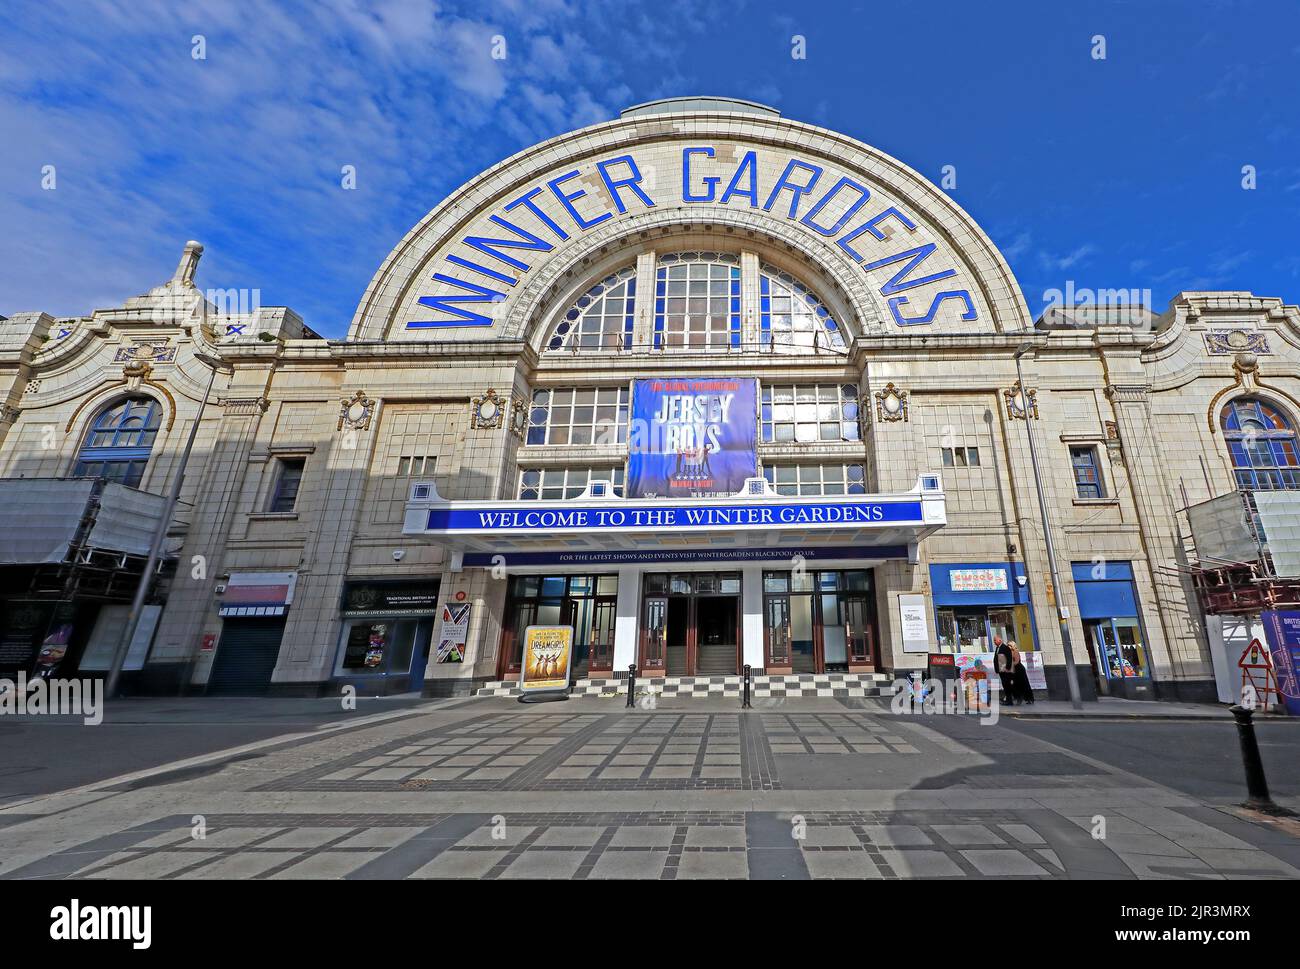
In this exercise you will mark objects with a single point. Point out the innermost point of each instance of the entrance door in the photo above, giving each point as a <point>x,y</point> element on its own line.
<point>776,629</point>
<point>677,637</point>
<point>602,635</point>
<point>858,630</point>
<point>654,628</point>
<point>716,641</point>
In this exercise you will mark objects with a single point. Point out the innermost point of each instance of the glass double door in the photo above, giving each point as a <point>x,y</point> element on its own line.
<point>826,629</point>
<point>690,624</point>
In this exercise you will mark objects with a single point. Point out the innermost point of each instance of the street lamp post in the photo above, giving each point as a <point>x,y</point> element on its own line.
<point>1075,700</point>
<point>159,537</point>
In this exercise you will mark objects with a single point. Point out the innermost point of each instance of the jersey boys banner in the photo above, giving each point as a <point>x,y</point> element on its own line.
<point>692,437</point>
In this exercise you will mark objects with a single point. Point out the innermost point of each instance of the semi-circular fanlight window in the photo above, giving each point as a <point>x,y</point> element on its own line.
<point>601,318</point>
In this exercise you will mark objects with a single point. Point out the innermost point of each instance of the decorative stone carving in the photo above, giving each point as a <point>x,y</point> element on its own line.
<point>891,404</point>
<point>1113,446</point>
<point>8,415</point>
<point>1222,342</point>
<point>155,352</point>
<point>137,372</point>
<point>487,412</point>
<point>1021,406</point>
<point>519,416</point>
<point>356,412</point>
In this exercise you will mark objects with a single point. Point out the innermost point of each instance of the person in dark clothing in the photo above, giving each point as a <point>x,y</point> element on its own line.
<point>1004,664</point>
<point>1021,691</point>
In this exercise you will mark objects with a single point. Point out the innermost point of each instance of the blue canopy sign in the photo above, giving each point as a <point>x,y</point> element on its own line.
<point>751,514</point>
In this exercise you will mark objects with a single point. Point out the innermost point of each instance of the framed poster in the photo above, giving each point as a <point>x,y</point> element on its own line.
<point>692,437</point>
<point>454,632</point>
<point>912,621</point>
<point>547,653</point>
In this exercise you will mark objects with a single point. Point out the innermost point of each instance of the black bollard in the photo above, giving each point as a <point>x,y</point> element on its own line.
<point>745,705</point>
<point>1256,785</point>
<point>631,685</point>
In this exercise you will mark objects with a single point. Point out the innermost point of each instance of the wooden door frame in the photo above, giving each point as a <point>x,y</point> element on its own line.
<point>643,639</point>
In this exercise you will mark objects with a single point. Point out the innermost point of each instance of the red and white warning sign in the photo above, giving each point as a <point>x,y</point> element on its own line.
<point>1258,678</point>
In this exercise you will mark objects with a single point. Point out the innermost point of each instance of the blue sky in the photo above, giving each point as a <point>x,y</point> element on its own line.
<point>1123,172</point>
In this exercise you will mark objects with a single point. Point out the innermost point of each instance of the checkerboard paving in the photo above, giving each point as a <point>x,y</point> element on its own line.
<point>702,687</point>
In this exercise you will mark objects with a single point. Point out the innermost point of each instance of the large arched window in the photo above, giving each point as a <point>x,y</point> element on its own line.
<point>1262,443</point>
<point>791,317</point>
<point>697,300</point>
<point>601,318</point>
<point>118,443</point>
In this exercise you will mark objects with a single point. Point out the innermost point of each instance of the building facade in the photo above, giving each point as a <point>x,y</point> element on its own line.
<point>712,387</point>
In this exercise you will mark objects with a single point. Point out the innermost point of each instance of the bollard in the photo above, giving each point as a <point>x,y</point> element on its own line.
<point>1256,785</point>
<point>631,685</point>
<point>745,704</point>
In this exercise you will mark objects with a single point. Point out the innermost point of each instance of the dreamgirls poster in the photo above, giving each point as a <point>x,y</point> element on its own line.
<point>692,437</point>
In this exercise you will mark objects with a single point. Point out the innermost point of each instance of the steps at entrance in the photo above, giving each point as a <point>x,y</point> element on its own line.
<point>796,685</point>
<point>715,660</point>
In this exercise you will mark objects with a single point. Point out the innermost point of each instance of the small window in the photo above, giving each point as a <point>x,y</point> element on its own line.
<point>414,466</point>
<point>287,481</point>
<point>1087,478</point>
<point>960,457</point>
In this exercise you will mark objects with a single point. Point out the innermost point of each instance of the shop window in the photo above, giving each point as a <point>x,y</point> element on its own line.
<point>1116,648</point>
<point>552,484</point>
<point>792,318</point>
<point>288,479</point>
<point>579,415</point>
<point>697,301</point>
<point>1262,443</point>
<point>808,413</point>
<point>415,465</point>
<point>384,647</point>
<point>960,457</point>
<point>817,479</point>
<point>119,440</point>
<point>601,318</point>
<point>1087,476</point>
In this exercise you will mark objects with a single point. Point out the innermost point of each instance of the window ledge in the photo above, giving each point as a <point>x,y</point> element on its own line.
<point>275,516</point>
<point>1096,502</point>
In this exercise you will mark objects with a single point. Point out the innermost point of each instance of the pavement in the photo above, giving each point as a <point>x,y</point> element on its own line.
<point>676,789</point>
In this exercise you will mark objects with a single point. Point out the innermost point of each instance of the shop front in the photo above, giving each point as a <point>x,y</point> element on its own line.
<point>977,603</point>
<point>387,631</point>
<point>1108,608</point>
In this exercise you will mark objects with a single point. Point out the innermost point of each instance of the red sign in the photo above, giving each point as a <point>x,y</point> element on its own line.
<point>209,642</point>
<point>942,659</point>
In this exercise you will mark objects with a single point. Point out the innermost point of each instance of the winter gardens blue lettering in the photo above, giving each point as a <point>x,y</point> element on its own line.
<point>621,179</point>
<point>840,513</point>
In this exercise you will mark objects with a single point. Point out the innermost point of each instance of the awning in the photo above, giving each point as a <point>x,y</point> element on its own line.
<point>258,594</point>
<point>754,525</point>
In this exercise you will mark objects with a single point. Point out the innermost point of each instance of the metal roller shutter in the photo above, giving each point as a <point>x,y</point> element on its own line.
<point>246,657</point>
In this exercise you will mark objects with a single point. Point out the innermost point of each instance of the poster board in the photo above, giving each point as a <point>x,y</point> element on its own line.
<point>547,656</point>
<point>912,621</point>
<point>453,632</point>
<point>692,437</point>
